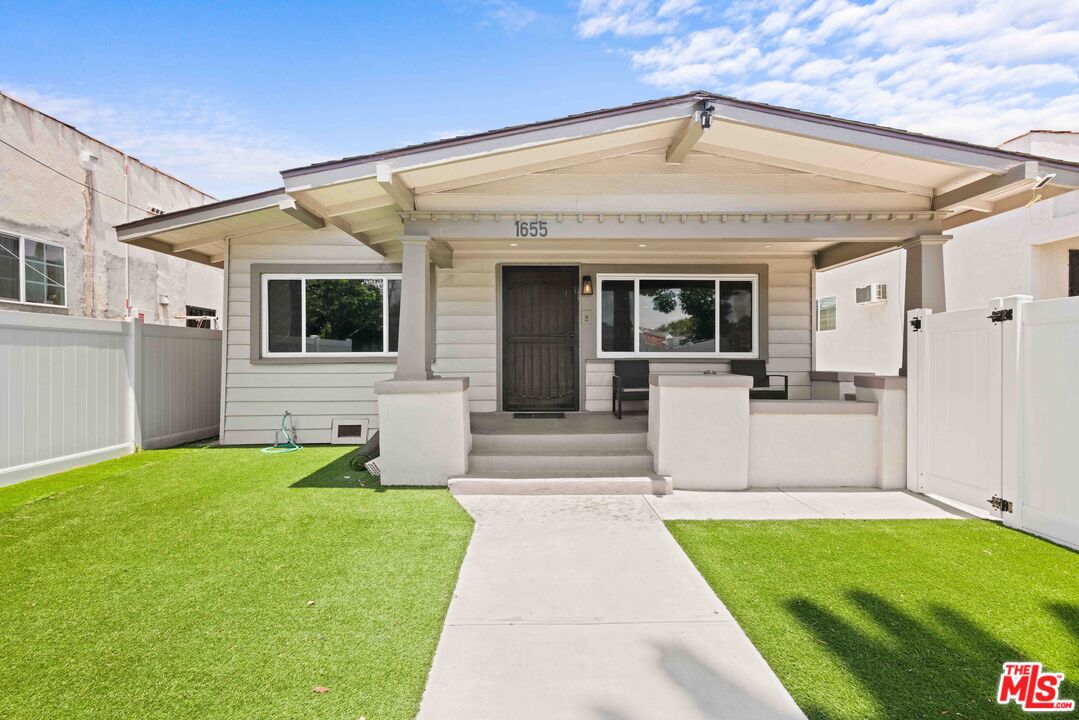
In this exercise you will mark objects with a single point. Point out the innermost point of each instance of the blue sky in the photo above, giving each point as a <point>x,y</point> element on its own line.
<point>225,95</point>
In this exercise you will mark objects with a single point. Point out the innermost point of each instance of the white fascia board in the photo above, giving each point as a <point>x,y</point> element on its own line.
<point>197,216</point>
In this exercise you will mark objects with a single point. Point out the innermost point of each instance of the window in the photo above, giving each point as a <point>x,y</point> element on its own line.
<point>31,271</point>
<point>330,315</point>
<point>826,313</point>
<point>200,317</point>
<point>678,316</point>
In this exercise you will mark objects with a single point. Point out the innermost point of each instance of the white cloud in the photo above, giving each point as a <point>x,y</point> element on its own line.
<point>979,70</point>
<point>509,15</point>
<point>632,18</point>
<point>196,139</point>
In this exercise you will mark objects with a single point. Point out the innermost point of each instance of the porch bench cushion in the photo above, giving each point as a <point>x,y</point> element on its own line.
<point>630,381</point>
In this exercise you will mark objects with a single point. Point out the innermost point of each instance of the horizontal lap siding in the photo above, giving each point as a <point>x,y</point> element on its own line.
<point>467,334</point>
<point>256,394</point>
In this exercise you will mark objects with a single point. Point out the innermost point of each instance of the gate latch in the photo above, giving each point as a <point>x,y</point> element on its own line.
<point>999,503</point>
<point>916,323</point>
<point>1001,315</point>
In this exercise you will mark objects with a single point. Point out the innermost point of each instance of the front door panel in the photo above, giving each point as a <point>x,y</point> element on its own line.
<point>539,338</point>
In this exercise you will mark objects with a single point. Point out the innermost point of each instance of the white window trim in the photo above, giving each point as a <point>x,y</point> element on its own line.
<point>636,278</point>
<point>264,311</point>
<point>816,312</point>
<point>22,270</point>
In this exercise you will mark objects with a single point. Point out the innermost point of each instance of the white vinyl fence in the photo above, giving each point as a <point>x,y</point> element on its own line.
<point>74,391</point>
<point>992,413</point>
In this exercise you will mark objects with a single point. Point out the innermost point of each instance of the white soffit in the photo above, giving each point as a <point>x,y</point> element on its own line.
<point>900,172</point>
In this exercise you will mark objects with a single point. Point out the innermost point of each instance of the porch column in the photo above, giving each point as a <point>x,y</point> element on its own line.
<point>414,347</point>
<point>924,279</point>
<point>925,272</point>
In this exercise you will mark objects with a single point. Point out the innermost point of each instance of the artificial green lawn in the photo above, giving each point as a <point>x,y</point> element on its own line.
<point>176,584</point>
<point>894,619</point>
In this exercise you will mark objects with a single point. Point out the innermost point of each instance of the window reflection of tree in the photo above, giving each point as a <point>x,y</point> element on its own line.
<point>346,310</point>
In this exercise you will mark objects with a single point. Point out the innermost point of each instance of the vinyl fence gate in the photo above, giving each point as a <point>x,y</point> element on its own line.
<point>991,411</point>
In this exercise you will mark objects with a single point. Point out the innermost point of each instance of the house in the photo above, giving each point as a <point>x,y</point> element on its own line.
<point>61,193</point>
<point>429,290</point>
<point>1017,241</point>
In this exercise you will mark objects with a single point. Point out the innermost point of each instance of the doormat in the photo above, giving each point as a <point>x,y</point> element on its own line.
<point>535,415</point>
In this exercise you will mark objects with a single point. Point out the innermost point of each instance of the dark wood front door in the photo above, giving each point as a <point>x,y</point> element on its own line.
<point>1073,273</point>
<point>539,338</point>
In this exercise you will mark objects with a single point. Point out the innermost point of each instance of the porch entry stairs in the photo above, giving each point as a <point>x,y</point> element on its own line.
<point>580,454</point>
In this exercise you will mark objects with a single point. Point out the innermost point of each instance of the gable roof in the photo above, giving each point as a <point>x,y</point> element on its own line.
<point>696,96</point>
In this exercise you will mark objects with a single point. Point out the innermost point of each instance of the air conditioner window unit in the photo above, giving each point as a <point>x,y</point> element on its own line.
<point>871,294</point>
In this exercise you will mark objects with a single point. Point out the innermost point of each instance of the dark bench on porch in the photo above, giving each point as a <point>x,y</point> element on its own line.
<point>762,386</point>
<point>630,382</point>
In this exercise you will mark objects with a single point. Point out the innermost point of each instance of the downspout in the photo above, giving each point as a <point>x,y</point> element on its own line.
<point>127,247</point>
<point>88,246</point>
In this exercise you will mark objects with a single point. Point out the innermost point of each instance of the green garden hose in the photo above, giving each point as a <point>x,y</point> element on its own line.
<point>286,447</point>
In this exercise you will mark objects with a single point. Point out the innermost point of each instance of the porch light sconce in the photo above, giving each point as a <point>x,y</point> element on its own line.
<point>586,285</point>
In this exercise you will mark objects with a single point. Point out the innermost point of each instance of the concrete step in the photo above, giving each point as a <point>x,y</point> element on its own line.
<point>567,443</point>
<point>503,484</point>
<point>545,462</point>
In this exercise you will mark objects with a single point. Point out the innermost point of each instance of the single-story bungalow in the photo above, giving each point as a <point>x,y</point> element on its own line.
<point>438,291</point>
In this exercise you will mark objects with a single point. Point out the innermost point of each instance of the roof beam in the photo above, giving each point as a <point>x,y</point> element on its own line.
<point>346,228</point>
<point>684,140</point>
<point>392,184</point>
<point>859,227</point>
<point>442,254</point>
<point>846,252</point>
<point>975,195</point>
<point>293,209</point>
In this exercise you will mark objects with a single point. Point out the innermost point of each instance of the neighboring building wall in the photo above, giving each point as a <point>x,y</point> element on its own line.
<point>41,204</point>
<point>1021,252</point>
<point>258,392</point>
<point>867,338</point>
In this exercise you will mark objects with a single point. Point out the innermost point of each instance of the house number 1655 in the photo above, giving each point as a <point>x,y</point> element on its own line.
<point>530,228</point>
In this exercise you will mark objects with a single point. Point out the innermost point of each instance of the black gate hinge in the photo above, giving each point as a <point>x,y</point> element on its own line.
<point>916,323</point>
<point>999,503</point>
<point>1001,315</point>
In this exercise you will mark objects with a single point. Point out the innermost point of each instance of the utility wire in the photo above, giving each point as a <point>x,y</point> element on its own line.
<point>74,180</point>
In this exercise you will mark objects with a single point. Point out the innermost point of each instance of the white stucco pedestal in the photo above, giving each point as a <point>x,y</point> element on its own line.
<point>698,430</point>
<point>425,434</point>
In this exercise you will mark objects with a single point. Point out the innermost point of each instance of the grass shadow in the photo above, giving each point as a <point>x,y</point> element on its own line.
<point>912,669</point>
<point>340,474</point>
<point>1068,615</point>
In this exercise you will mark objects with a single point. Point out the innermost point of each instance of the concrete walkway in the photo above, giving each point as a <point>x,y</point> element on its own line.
<point>586,607</point>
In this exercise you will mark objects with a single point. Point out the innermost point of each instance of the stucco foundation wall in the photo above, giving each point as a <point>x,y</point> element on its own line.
<point>257,393</point>
<point>802,450</point>
<point>467,325</point>
<point>40,204</point>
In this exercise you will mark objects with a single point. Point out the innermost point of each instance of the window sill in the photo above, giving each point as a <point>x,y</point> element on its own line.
<point>22,304</point>
<point>663,360</point>
<point>323,360</point>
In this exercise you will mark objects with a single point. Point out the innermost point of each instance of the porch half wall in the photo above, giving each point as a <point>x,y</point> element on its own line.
<point>467,323</point>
